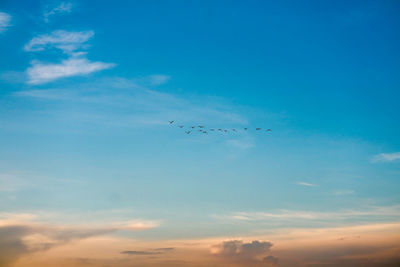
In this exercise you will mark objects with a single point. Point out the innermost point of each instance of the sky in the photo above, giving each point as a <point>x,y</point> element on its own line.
<point>92,172</point>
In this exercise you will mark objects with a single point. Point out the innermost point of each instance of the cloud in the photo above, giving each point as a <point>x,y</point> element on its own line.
<point>76,64</point>
<point>158,79</point>
<point>63,7</point>
<point>64,40</point>
<point>22,233</point>
<point>271,260</point>
<point>135,252</point>
<point>343,192</point>
<point>120,102</point>
<point>386,157</point>
<point>306,184</point>
<point>238,251</point>
<point>5,20</point>
<point>242,144</point>
<point>370,213</point>
<point>40,73</point>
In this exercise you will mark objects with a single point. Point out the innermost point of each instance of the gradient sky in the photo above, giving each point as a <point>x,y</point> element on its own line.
<point>87,89</point>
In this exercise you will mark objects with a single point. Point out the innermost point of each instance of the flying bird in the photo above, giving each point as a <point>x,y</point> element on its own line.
<point>205,132</point>
<point>257,129</point>
<point>193,127</point>
<point>234,130</point>
<point>220,130</point>
<point>245,129</point>
<point>181,126</point>
<point>268,130</point>
<point>171,122</point>
<point>226,131</point>
<point>201,126</point>
<point>187,132</point>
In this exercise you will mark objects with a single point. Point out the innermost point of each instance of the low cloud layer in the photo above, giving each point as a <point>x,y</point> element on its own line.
<point>247,253</point>
<point>21,234</point>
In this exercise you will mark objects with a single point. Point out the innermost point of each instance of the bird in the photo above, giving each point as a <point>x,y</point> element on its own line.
<point>257,129</point>
<point>205,132</point>
<point>200,130</point>
<point>187,132</point>
<point>234,130</point>
<point>193,127</point>
<point>245,129</point>
<point>212,130</point>
<point>171,122</point>
<point>181,126</point>
<point>201,126</point>
<point>268,130</point>
<point>226,131</point>
<point>220,130</point>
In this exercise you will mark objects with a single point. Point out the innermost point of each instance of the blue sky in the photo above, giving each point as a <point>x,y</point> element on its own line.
<point>87,89</point>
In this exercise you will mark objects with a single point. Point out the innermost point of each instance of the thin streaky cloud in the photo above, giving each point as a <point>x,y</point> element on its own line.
<point>386,157</point>
<point>63,7</point>
<point>313,215</point>
<point>306,184</point>
<point>67,41</point>
<point>5,20</point>
<point>40,73</point>
<point>158,79</point>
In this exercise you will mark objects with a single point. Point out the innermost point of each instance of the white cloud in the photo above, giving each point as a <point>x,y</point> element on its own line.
<point>343,192</point>
<point>313,215</point>
<point>386,157</point>
<point>306,184</point>
<point>64,7</point>
<point>5,20</point>
<point>158,79</point>
<point>42,73</point>
<point>240,143</point>
<point>68,42</point>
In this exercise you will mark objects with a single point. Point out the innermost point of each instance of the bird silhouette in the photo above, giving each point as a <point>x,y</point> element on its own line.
<point>187,132</point>
<point>171,122</point>
<point>234,130</point>
<point>268,130</point>
<point>257,129</point>
<point>245,129</point>
<point>201,126</point>
<point>181,126</point>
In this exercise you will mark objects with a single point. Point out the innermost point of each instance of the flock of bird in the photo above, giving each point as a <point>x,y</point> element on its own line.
<point>203,129</point>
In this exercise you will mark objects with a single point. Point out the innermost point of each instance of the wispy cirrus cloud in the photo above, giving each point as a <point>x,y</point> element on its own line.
<point>63,7</point>
<point>5,20</point>
<point>69,43</point>
<point>134,104</point>
<point>64,40</point>
<point>306,184</point>
<point>371,212</point>
<point>386,157</point>
<point>40,73</point>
